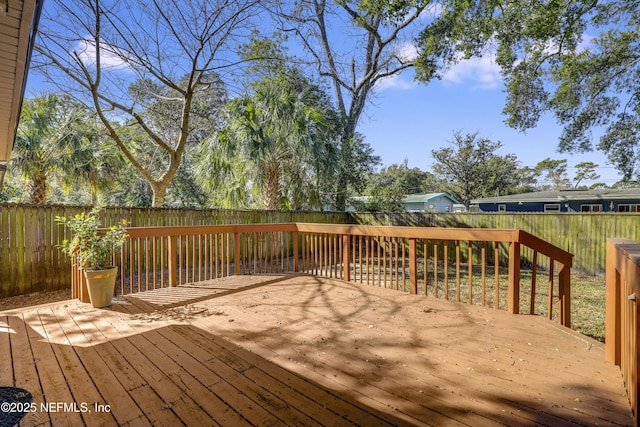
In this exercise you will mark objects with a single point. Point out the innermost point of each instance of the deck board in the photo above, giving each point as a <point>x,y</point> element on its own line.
<point>301,350</point>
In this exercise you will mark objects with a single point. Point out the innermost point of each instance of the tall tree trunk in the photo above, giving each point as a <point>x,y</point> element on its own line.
<point>38,188</point>
<point>346,156</point>
<point>159,192</point>
<point>271,186</point>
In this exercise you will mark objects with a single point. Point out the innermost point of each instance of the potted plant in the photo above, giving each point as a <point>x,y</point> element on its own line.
<point>93,248</point>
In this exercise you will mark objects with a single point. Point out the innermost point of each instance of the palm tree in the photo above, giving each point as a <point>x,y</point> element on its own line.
<point>280,130</point>
<point>56,135</point>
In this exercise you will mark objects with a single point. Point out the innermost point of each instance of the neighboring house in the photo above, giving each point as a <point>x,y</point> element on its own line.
<point>430,202</point>
<point>610,200</point>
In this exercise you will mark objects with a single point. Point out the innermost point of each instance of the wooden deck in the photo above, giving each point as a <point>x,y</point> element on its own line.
<point>301,350</point>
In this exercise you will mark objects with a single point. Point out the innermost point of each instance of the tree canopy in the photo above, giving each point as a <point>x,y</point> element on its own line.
<point>470,168</point>
<point>372,44</point>
<point>139,66</point>
<point>579,59</point>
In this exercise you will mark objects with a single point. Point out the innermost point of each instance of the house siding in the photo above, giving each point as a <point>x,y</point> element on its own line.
<point>573,205</point>
<point>415,206</point>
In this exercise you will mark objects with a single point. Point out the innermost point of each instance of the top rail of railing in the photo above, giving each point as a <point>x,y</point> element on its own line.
<point>168,256</point>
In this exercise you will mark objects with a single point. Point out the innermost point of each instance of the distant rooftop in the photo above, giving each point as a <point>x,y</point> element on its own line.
<point>423,198</point>
<point>565,195</point>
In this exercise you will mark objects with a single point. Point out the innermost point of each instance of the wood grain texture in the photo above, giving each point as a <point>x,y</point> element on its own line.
<point>302,350</point>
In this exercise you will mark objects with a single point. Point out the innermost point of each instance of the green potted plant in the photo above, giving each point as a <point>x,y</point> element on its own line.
<point>93,248</point>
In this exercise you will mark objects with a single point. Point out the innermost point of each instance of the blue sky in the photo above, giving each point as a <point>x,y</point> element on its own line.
<point>407,119</point>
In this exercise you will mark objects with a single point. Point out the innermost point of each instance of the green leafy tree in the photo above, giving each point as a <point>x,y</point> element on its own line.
<point>579,59</point>
<point>144,65</point>
<point>404,179</point>
<point>373,50</point>
<point>471,168</point>
<point>554,174</point>
<point>52,136</point>
<point>626,184</point>
<point>587,171</point>
<point>283,129</point>
<point>385,199</point>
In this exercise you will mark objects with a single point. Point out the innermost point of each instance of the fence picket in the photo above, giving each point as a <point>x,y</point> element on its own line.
<point>31,262</point>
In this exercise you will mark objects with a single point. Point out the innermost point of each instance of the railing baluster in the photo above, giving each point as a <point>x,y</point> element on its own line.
<point>366,260</point>
<point>483,271</point>
<point>346,260</point>
<point>385,256</point>
<point>413,267</point>
<point>136,253</point>
<point>550,301</point>
<point>425,274</point>
<point>228,254</point>
<point>173,253</point>
<point>514,278</point>
<point>122,271</point>
<point>564,291</point>
<point>404,266</point>
<point>457,270</point>
<point>446,269</point>
<point>436,279</point>
<point>199,257</point>
<point>496,271</point>
<point>534,269</point>
<point>470,270</point>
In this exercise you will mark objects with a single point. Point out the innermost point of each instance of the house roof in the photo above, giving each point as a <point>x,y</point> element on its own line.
<point>427,197</point>
<point>565,196</point>
<point>18,25</point>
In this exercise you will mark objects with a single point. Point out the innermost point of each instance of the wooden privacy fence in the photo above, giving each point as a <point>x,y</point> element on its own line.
<point>582,234</point>
<point>622,319</point>
<point>30,260</point>
<point>465,265</point>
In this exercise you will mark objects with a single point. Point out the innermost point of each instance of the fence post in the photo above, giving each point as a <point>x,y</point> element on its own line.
<point>613,318</point>
<point>173,267</point>
<point>514,278</point>
<point>346,257</point>
<point>413,267</point>
<point>564,292</point>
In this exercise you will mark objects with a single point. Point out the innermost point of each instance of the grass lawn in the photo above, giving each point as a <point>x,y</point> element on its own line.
<point>588,305</point>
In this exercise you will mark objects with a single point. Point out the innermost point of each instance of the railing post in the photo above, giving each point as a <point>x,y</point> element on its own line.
<point>514,278</point>
<point>564,291</point>
<point>613,299</point>
<point>295,252</point>
<point>413,266</point>
<point>173,267</point>
<point>346,257</point>
<point>236,253</point>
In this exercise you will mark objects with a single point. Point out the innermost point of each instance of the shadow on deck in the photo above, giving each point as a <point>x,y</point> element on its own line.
<point>303,350</point>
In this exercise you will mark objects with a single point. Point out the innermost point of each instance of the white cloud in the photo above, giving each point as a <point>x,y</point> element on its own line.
<point>394,82</point>
<point>586,42</point>
<point>407,52</point>
<point>480,73</point>
<point>86,51</point>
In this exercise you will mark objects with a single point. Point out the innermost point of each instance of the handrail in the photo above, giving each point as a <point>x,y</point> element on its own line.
<point>622,334</point>
<point>411,259</point>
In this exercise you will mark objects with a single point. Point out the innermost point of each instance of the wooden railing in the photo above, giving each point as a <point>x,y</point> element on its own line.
<point>622,327</point>
<point>479,266</point>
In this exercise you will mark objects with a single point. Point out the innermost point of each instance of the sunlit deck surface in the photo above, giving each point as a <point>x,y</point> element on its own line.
<point>301,350</point>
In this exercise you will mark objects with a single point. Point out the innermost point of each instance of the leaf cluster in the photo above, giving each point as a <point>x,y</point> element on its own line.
<point>577,58</point>
<point>92,246</point>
